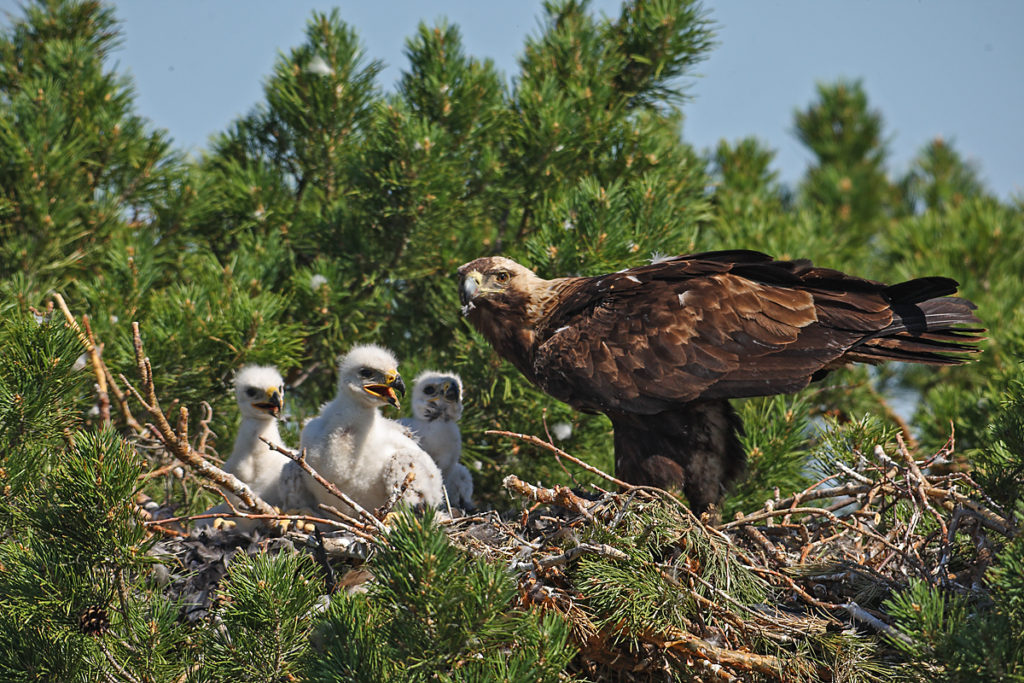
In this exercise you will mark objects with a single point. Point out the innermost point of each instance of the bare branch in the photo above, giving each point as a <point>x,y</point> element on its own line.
<point>93,351</point>
<point>177,444</point>
<point>300,458</point>
<point>561,454</point>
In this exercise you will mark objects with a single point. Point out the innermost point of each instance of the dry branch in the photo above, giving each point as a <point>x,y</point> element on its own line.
<point>178,445</point>
<point>560,495</point>
<point>102,398</point>
<point>300,459</point>
<point>560,454</point>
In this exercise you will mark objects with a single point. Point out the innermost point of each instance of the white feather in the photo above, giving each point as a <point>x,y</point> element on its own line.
<point>359,450</point>
<point>437,408</point>
<point>252,460</point>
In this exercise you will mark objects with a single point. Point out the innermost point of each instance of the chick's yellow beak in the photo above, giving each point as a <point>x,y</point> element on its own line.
<point>387,391</point>
<point>274,402</point>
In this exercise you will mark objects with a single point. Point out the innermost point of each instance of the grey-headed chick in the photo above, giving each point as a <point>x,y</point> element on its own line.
<point>436,410</point>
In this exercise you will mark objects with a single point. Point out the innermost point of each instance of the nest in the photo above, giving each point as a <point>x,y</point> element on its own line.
<point>649,590</point>
<point>769,595</point>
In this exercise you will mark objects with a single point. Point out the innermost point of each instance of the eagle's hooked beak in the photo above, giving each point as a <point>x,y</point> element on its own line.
<point>471,282</point>
<point>393,383</point>
<point>274,402</point>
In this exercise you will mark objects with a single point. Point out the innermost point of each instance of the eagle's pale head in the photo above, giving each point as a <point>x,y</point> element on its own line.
<point>437,396</point>
<point>260,392</point>
<point>369,374</point>
<point>495,281</point>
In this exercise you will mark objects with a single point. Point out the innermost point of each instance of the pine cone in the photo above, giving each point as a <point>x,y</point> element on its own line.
<point>94,620</point>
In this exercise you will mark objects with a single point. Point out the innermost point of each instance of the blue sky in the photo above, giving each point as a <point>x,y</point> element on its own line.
<point>932,67</point>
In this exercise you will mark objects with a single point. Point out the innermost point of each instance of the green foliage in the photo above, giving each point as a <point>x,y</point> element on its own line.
<point>848,181</point>
<point>776,434</point>
<point>940,179</point>
<point>265,619</point>
<point>333,214</point>
<point>79,166</point>
<point>957,639</point>
<point>927,619</point>
<point>631,594</point>
<point>38,390</point>
<point>434,612</point>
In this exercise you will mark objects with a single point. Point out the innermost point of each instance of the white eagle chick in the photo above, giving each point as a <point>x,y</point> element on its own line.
<point>260,394</point>
<point>436,409</point>
<point>362,452</point>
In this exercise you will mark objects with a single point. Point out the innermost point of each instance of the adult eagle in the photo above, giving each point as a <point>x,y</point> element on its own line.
<point>661,348</point>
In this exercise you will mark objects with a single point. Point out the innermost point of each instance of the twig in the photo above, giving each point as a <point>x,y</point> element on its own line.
<point>114,663</point>
<point>560,453</point>
<point>102,398</point>
<point>920,483</point>
<point>178,446</point>
<point>355,526</point>
<point>861,615</point>
<point>304,376</point>
<point>122,401</point>
<point>320,555</point>
<point>676,638</point>
<point>396,496</point>
<point>599,549</point>
<point>560,495</point>
<point>300,458</point>
<point>204,426</point>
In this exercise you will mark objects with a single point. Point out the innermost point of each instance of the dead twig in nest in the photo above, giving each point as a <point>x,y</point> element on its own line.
<point>559,453</point>
<point>560,495</point>
<point>570,555</point>
<point>396,496</point>
<point>300,459</point>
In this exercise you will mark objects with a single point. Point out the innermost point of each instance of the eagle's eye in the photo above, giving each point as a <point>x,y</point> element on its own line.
<point>428,390</point>
<point>365,373</point>
<point>251,391</point>
<point>501,277</point>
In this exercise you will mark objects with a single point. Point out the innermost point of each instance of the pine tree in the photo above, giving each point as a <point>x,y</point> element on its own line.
<point>335,213</point>
<point>848,181</point>
<point>82,170</point>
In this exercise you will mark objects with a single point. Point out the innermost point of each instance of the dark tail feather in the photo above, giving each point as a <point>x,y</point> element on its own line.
<point>695,447</point>
<point>921,289</point>
<point>924,331</point>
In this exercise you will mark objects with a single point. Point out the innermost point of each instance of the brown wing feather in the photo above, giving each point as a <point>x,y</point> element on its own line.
<point>642,343</point>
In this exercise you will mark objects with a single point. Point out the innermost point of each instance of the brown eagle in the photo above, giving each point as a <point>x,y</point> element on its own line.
<point>661,348</point>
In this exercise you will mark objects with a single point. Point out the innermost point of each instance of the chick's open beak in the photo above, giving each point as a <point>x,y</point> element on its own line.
<point>387,391</point>
<point>274,402</point>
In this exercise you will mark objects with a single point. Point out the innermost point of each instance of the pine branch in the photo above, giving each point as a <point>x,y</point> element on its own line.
<point>102,398</point>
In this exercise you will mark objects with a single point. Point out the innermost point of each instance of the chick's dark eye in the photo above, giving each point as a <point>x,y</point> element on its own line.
<point>501,277</point>
<point>251,391</point>
<point>366,372</point>
<point>428,390</point>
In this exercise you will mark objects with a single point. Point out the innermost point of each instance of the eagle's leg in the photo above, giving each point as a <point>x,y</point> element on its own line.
<point>695,448</point>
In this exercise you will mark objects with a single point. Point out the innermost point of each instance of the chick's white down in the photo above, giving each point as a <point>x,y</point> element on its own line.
<point>364,454</point>
<point>259,391</point>
<point>437,408</point>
